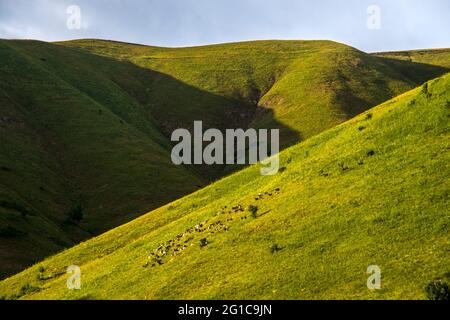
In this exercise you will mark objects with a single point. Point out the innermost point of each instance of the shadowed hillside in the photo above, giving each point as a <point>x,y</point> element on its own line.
<point>431,57</point>
<point>85,125</point>
<point>372,191</point>
<point>407,62</point>
<point>309,232</point>
<point>80,153</point>
<point>308,86</point>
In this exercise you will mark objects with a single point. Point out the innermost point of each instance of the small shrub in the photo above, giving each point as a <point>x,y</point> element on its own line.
<point>203,242</point>
<point>27,289</point>
<point>411,103</point>
<point>370,153</point>
<point>361,128</point>
<point>369,116</point>
<point>274,248</point>
<point>43,277</point>
<point>425,89</point>
<point>253,210</point>
<point>343,166</point>
<point>438,290</point>
<point>41,269</point>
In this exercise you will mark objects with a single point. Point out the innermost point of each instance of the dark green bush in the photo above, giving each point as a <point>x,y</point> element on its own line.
<point>425,89</point>
<point>275,248</point>
<point>27,289</point>
<point>438,290</point>
<point>282,169</point>
<point>203,242</point>
<point>253,210</point>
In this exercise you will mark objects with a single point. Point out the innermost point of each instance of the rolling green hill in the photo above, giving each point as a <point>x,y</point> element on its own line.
<point>427,59</point>
<point>371,191</point>
<point>432,57</point>
<point>75,135</point>
<point>301,87</point>
<point>85,125</point>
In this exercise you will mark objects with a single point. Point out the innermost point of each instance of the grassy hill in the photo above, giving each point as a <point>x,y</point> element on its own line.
<point>75,135</point>
<point>427,59</point>
<point>371,191</point>
<point>301,87</point>
<point>432,57</point>
<point>85,125</point>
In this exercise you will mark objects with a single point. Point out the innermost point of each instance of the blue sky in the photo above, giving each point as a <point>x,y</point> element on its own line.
<point>404,24</point>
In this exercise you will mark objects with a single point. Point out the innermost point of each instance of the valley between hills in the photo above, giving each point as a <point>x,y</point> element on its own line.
<point>87,178</point>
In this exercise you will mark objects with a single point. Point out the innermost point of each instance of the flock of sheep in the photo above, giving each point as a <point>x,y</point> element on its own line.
<point>183,241</point>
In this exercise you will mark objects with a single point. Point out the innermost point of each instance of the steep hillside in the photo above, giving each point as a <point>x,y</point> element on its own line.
<point>372,191</point>
<point>79,151</point>
<point>85,125</point>
<point>427,59</point>
<point>432,57</point>
<point>301,87</point>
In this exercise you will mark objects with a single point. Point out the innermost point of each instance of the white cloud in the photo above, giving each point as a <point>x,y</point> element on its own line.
<point>405,24</point>
<point>28,32</point>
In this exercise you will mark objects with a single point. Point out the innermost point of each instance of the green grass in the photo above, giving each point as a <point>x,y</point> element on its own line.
<point>86,124</point>
<point>431,57</point>
<point>75,130</point>
<point>371,191</point>
<point>301,87</point>
<point>407,62</point>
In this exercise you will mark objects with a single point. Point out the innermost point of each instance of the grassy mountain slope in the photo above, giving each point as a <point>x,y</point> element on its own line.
<point>85,124</point>
<point>433,57</point>
<point>372,191</point>
<point>427,59</point>
<point>75,133</point>
<point>301,87</point>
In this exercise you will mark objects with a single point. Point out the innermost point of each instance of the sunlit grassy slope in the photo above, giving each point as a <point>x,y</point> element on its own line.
<point>372,191</point>
<point>301,87</point>
<point>86,124</point>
